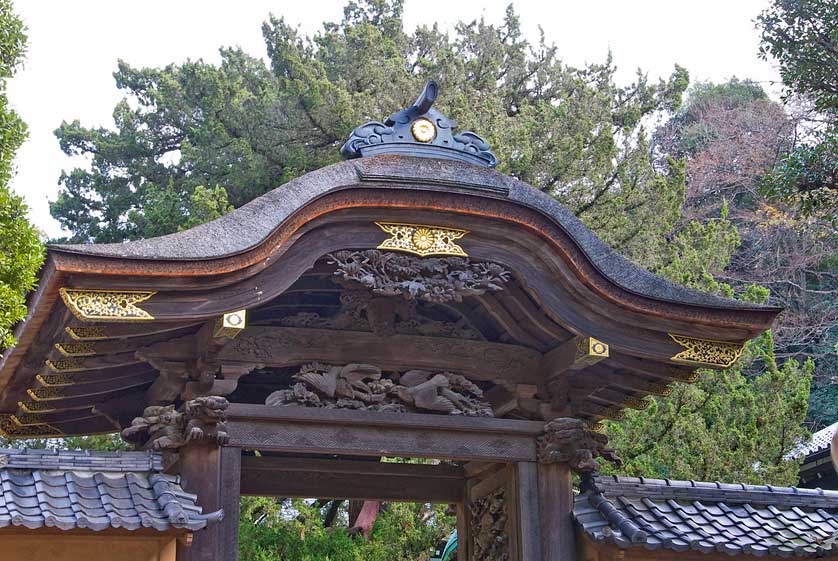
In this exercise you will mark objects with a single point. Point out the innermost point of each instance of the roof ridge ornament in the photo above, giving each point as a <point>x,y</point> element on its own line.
<point>419,130</point>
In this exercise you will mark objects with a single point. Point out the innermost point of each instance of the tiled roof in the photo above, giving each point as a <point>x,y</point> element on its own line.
<point>690,515</point>
<point>93,490</point>
<point>820,441</point>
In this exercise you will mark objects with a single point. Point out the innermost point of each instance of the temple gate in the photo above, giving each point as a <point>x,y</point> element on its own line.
<point>409,302</point>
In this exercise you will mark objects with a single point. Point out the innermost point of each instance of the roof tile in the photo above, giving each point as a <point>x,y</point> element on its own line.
<point>94,490</point>
<point>736,519</point>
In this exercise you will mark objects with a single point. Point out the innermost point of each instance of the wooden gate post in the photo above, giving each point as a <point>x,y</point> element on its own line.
<point>213,473</point>
<point>555,501</point>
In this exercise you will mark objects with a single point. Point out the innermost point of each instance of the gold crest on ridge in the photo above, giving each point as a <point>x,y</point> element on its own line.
<point>421,239</point>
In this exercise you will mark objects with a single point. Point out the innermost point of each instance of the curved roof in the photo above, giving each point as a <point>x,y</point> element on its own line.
<point>272,253</point>
<point>249,226</point>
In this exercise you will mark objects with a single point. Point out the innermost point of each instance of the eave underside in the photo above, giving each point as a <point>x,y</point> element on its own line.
<point>96,376</point>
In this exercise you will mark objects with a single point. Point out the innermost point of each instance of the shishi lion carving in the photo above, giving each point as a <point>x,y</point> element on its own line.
<point>162,427</point>
<point>570,441</point>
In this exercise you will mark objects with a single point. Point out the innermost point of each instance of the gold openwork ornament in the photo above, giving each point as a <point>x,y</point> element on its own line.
<point>65,364</point>
<point>86,333</point>
<point>10,429</point>
<point>75,349</point>
<point>707,352</point>
<point>35,406</point>
<point>55,380</point>
<point>638,403</point>
<point>423,130</point>
<point>107,305</point>
<point>26,419</point>
<point>46,393</point>
<point>422,240</point>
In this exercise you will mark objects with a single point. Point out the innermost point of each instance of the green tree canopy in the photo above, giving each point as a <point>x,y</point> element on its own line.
<point>732,138</point>
<point>21,251</point>
<point>247,128</point>
<point>802,36</point>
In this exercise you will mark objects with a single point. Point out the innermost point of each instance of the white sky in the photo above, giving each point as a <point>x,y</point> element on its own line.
<point>74,47</point>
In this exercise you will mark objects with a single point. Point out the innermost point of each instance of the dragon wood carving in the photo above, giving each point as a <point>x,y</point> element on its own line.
<point>363,386</point>
<point>161,427</point>
<point>437,280</point>
<point>570,441</point>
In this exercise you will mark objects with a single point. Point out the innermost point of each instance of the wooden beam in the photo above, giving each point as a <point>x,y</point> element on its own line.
<point>290,346</point>
<point>575,354</point>
<point>658,369</point>
<point>350,479</point>
<point>608,373</point>
<point>570,357</point>
<point>331,431</point>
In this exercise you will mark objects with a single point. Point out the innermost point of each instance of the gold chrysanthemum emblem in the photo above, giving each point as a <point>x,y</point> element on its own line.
<point>423,238</point>
<point>423,130</point>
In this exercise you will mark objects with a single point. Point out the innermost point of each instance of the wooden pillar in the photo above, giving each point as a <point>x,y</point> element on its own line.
<point>213,473</point>
<point>528,511</point>
<point>555,501</point>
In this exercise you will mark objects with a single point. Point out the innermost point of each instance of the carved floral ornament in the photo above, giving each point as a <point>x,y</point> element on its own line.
<point>438,280</point>
<point>489,518</point>
<point>364,386</point>
<point>361,310</point>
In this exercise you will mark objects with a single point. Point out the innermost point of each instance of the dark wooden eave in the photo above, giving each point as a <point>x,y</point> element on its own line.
<point>265,256</point>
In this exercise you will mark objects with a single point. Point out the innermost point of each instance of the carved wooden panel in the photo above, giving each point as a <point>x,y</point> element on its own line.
<point>366,387</point>
<point>492,516</point>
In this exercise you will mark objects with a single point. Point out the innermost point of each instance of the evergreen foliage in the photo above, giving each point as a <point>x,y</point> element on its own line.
<point>21,251</point>
<point>293,529</point>
<point>802,37</point>
<point>248,128</point>
<point>732,138</point>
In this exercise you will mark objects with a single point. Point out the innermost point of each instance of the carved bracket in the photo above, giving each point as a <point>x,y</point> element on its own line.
<point>570,441</point>
<point>162,427</point>
<point>363,386</point>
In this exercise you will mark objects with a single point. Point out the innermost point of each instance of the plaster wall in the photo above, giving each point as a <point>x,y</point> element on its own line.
<point>95,547</point>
